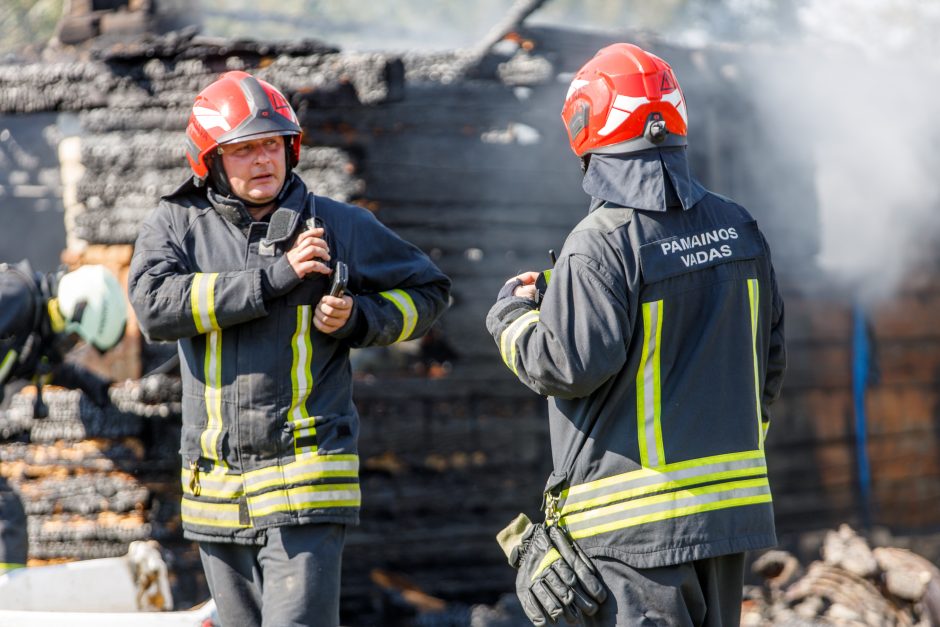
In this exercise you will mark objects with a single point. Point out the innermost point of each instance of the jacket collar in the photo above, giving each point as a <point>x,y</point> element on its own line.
<point>292,199</point>
<point>651,180</point>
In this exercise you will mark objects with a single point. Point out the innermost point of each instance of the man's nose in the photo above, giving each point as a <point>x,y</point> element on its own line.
<point>261,155</point>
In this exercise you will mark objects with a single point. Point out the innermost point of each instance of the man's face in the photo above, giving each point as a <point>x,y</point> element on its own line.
<point>255,168</point>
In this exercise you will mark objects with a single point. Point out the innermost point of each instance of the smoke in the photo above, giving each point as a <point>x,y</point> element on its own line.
<point>874,70</point>
<point>855,86</point>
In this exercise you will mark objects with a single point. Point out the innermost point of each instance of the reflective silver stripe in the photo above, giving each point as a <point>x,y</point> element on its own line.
<point>650,432</point>
<point>202,300</point>
<point>647,481</point>
<point>668,506</point>
<point>210,514</point>
<point>7,365</point>
<point>409,313</point>
<point>302,380</point>
<point>306,469</point>
<point>753,293</point>
<point>305,497</point>
<point>507,339</point>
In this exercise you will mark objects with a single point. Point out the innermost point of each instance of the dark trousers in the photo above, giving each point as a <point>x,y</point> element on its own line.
<point>705,593</point>
<point>13,539</point>
<point>290,580</point>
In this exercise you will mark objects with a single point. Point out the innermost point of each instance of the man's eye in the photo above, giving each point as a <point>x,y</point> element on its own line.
<point>243,151</point>
<point>270,144</point>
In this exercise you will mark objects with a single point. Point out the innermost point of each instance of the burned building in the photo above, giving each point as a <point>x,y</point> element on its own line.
<point>464,154</point>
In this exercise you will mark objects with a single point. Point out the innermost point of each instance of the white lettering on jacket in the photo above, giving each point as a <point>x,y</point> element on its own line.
<point>681,244</point>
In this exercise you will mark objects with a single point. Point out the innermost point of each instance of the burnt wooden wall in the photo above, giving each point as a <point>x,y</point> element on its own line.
<point>471,164</point>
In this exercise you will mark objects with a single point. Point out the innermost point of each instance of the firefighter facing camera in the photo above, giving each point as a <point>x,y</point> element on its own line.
<point>266,287</point>
<point>658,338</point>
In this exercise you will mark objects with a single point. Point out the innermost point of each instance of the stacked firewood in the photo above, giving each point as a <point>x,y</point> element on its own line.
<point>852,585</point>
<point>94,480</point>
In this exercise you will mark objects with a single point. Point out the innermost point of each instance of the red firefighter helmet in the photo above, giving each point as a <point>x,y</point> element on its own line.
<point>235,108</point>
<point>624,100</point>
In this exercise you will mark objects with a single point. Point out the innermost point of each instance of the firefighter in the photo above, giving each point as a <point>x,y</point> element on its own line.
<point>236,266</point>
<point>659,342</point>
<point>41,318</point>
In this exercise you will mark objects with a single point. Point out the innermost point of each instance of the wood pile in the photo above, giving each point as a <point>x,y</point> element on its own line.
<point>92,481</point>
<point>852,585</point>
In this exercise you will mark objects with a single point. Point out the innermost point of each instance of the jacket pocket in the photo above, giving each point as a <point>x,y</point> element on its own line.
<point>336,433</point>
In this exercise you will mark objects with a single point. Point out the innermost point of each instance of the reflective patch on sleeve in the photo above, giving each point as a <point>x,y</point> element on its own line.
<point>202,301</point>
<point>507,339</point>
<point>409,313</point>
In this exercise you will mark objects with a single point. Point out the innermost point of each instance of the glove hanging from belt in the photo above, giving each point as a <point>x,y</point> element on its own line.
<point>555,577</point>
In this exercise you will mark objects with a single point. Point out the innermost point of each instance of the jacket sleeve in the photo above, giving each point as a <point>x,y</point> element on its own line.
<point>398,291</point>
<point>575,342</point>
<point>171,300</point>
<point>776,356</point>
<point>18,299</point>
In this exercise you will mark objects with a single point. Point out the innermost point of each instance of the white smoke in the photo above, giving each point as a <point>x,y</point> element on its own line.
<point>856,86</point>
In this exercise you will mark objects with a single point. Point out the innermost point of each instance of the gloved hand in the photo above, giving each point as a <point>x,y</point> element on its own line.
<point>548,586</point>
<point>581,564</point>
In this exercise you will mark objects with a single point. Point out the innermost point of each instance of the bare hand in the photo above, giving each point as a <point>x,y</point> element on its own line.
<point>309,247</point>
<point>527,289</point>
<point>332,313</point>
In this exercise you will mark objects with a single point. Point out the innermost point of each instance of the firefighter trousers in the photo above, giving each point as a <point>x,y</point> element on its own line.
<point>704,593</point>
<point>13,539</point>
<point>293,579</point>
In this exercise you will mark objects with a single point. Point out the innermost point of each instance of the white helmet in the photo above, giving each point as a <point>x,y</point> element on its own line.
<point>92,304</point>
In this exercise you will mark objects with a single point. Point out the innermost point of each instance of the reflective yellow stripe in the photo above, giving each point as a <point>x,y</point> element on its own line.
<point>7,366</point>
<point>754,299</point>
<point>409,313</point>
<point>302,380</point>
<point>648,480</point>
<point>507,339</point>
<point>668,506</point>
<point>550,558</point>
<point>202,301</point>
<point>209,439</point>
<point>55,315</point>
<point>223,485</point>
<point>648,401</point>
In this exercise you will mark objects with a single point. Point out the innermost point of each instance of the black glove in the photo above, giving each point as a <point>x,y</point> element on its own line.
<point>581,564</point>
<point>547,585</point>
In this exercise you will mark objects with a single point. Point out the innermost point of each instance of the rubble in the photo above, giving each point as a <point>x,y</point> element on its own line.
<point>852,586</point>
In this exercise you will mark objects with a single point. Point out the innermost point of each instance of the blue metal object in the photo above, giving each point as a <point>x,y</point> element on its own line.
<point>861,356</point>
